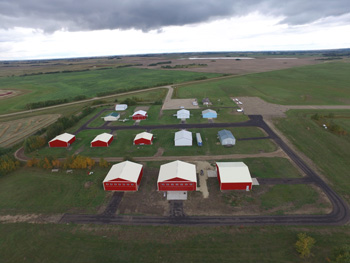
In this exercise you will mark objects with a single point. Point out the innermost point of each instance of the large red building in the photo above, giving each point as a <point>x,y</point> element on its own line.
<point>233,176</point>
<point>143,138</point>
<point>177,176</point>
<point>139,115</point>
<point>102,140</point>
<point>63,140</point>
<point>125,176</point>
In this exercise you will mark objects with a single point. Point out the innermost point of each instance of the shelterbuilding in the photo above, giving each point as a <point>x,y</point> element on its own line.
<point>125,176</point>
<point>183,138</point>
<point>233,176</point>
<point>143,138</point>
<point>102,140</point>
<point>177,176</point>
<point>139,115</point>
<point>62,140</point>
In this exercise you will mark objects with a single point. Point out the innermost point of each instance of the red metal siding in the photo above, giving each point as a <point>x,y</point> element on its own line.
<point>140,177</point>
<point>72,140</point>
<point>143,141</point>
<point>217,169</point>
<point>120,186</point>
<point>58,143</point>
<point>139,117</point>
<point>110,140</point>
<point>177,186</point>
<point>235,186</point>
<point>99,144</point>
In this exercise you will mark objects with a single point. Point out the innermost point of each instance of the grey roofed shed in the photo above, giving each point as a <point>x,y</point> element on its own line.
<point>226,138</point>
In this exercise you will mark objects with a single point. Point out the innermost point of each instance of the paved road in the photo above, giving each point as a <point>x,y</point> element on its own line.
<point>340,214</point>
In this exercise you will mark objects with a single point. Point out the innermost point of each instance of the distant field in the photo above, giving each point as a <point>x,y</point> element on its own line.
<point>323,84</point>
<point>68,85</point>
<point>330,152</point>
<point>12,132</point>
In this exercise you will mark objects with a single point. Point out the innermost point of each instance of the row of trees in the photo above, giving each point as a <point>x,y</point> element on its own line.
<point>328,120</point>
<point>8,164</point>
<point>47,103</point>
<point>72,162</point>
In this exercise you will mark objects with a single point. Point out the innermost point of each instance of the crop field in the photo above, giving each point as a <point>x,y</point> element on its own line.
<point>12,132</point>
<point>322,84</point>
<point>89,83</point>
<point>329,151</point>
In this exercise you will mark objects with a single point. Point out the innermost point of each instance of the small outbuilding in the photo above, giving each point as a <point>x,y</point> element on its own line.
<point>139,115</point>
<point>183,114</point>
<point>183,138</point>
<point>143,138</point>
<point>121,107</point>
<point>125,176</point>
<point>102,140</point>
<point>62,140</point>
<point>206,101</point>
<point>226,138</point>
<point>114,116</point>
<point>209,114</point>
<point>177,176</point>
<point>233,176</point>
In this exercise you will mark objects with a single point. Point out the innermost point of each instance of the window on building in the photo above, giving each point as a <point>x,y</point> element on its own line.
<point>172,184</point>
<point>107,184</point>
<point>167,184</point>
<point>176,184</point>
<point>181,184</point>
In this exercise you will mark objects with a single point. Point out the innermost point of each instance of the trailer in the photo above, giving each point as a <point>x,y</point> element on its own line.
<point>199,139</point>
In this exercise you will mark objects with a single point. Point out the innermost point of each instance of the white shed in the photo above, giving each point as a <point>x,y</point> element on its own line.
<point>183,114</point>
<point>121,107</point>
<point>183,138</point>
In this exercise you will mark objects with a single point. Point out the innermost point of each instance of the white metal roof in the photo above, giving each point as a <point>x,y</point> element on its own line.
<point>126,170</point>
<point>121,107</point>
<point>65,137</point>
<point>183,135</point>
<point>144,135</point>
<point>104,137</point>
<point>141,112</point>
<point>178,169</point>
<point>234,172</point>
<point>183,113</point>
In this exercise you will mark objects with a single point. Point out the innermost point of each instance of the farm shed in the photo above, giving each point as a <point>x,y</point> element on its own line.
<point>177,176</point>
<point>206,101</point>
<point>233,176</point>
<point>143,138</point>
<point>183,138</point>
<point>199,139</point>
<point>226,138</point>
<point>114,116</point>
<point>209,114</point>
<point>183,114</point>
<point>62,140</point>
<point>125,176</point>
<point>121,107</point>
<point>139,115</point>
<point>102,140</point>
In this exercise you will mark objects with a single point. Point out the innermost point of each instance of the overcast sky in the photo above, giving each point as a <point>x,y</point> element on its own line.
<point>71,28</point>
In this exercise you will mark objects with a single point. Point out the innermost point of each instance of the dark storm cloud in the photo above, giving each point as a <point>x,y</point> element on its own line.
<point>74,15</point>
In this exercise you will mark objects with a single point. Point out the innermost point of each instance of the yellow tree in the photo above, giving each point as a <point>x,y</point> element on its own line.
<point>304,245</point>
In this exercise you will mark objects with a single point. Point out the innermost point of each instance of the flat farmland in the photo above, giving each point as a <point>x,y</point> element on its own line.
<point>12,132</point>
<point>322,84</point>
<point>89,83</point>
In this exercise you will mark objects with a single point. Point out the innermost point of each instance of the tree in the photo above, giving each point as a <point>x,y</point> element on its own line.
<point>304,245</point>
<point>103,163</point>
<point>341,255</point>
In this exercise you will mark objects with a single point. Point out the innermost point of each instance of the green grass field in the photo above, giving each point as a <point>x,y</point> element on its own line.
<point>68,85</point>
<point>31,190</point>
<point>323,84</point>
<point>330,152</point>
<point>72,243</point>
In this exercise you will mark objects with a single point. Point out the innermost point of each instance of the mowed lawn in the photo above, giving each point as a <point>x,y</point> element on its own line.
<point>89,83</point>
<point>330,152</point>
<point>94,243</point>
<point>31,190</point>
<point>322,84</point>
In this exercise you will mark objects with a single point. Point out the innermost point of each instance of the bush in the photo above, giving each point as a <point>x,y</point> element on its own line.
<point>8,164</point>
<point>304,245</point>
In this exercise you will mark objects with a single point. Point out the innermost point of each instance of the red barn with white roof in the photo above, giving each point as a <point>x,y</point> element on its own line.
<point>62,140</point>
<point>102,140</point>
<point>143,138</point>
<point>177,176</point>
<point>233,176</point>
<point>139,115</point>
<point>125,176</point>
